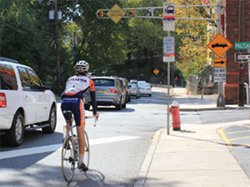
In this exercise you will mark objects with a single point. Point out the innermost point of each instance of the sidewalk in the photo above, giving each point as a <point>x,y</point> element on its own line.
<point>193,157</point>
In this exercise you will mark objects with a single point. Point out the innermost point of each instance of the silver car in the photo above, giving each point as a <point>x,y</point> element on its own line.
<point>145,88</point>
<point>109,92</point>
<point>134,89</point>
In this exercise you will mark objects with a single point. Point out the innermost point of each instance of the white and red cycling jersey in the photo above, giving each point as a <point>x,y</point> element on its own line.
<point>77,86</point>
<point>72,97</point>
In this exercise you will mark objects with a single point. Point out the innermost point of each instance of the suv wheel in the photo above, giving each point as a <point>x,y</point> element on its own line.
<point>14,137</point>
<point>52,121</point>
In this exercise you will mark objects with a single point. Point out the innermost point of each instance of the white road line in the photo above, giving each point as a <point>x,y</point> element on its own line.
<point>50,148</point>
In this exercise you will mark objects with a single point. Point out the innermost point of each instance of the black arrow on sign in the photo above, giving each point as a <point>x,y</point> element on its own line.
<point>219,45</point>
<point>219,62</point>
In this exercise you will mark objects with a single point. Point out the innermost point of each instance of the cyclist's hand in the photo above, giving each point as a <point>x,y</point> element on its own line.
<point>96,116</point>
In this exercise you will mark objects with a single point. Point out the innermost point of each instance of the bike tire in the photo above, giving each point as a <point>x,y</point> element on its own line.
<point>68,159</point>
<point>87,150</point>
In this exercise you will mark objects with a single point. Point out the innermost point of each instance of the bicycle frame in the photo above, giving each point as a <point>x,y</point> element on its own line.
<point>70,149</point>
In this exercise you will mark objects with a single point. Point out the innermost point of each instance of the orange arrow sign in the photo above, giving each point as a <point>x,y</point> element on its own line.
<point>219,63</point>
<point>219,45</point>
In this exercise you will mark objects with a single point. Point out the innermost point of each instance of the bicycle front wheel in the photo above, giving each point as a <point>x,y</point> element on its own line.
<point>87,150</point>
<point>68,159</point>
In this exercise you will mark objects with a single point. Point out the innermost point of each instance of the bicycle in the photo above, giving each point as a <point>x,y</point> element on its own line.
<point>70,149</point>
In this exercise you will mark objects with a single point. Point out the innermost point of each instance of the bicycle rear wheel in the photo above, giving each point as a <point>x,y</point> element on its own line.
<point>68,159</point>
<point>87,150</point>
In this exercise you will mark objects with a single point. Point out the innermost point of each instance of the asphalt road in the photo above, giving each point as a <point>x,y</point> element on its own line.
<point>119,144</point>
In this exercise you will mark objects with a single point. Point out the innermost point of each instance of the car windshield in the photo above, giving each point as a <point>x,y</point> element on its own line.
<point>145,85</point>
<point>104,82</point>
<point>142,83</point>
<point>132,85</point>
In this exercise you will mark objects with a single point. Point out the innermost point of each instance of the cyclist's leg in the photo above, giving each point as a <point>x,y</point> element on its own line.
<point>80,121</point>
<point>80,132</point>
<point>65,106</point>
<point>87,150</point>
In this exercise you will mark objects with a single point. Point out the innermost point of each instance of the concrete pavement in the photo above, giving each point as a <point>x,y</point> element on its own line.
<point>194,156</point>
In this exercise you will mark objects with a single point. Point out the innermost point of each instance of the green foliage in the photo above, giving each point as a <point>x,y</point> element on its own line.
<point>26,34</point>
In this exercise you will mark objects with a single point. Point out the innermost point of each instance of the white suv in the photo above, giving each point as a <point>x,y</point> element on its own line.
<point>25,102</point>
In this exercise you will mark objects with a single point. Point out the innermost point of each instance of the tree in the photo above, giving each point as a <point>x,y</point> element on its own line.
<point>192,53</point>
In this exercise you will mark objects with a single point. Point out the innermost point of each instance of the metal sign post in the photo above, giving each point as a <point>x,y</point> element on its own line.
<point>168,46</point>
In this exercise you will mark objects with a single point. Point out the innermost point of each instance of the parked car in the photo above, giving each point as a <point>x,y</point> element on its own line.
<point>145,88</point>
<point>109,92</point>
<point>134,89</point>
<point>133,81</point>
<point>126,89</point>
<point>25,102</point>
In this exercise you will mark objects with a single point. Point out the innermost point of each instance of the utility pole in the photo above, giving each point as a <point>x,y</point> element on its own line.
<point>241,65</point>
<point>55,15</point>
<point>58,67</point>
<point>220,99</point>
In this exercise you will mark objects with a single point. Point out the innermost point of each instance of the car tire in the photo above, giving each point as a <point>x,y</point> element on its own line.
<point>14,137</point>
<point>124,105</point>
<point>119,105</point>
<point>52,121</point>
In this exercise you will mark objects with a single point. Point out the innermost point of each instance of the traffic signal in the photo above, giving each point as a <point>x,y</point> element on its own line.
<point>132,12</point>
<point>100,13</point>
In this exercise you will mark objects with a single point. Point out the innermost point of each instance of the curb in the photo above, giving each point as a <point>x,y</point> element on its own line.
<point>142,175</point>
<point>213,108</point>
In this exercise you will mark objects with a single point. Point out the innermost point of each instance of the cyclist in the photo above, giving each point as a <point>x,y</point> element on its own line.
<point>72,99</point>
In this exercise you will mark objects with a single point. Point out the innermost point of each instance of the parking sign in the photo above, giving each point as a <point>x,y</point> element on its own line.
<point>168,49</point>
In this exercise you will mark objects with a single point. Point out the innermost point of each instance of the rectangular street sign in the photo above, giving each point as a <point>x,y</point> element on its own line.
<point>219,75</point>
<point>219,63</point>
<point>169,49</point>
<point>241,45</point>
<point>243,57</point>
<point>168,16</point>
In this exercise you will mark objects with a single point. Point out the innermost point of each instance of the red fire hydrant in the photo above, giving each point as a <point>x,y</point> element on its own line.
<point>176,121</point>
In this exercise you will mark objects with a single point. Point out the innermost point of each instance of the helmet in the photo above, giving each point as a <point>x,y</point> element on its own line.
<point>81,66</point>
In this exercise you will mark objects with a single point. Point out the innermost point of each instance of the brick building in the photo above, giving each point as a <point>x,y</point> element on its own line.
<point>236,28</point>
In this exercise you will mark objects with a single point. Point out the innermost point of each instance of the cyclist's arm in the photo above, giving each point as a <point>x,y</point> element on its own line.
<point>93,97</point>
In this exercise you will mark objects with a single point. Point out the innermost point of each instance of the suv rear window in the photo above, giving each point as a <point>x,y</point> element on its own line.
<point>104,82</point>
<point>7,77</point>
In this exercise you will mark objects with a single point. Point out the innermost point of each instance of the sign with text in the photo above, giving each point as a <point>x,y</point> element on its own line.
<point>169,49</point>
<point>243,57</point>
<point>168,16</point>
<point>219,45</point>
<point>219,75</point>
<point>241,45</point>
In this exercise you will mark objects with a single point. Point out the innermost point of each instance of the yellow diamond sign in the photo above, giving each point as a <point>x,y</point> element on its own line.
<point>116,13</point>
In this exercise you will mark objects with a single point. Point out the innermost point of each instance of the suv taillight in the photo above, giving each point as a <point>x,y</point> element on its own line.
<point>3,100</point>
<point>113,90</point>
